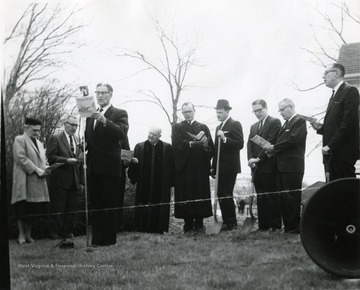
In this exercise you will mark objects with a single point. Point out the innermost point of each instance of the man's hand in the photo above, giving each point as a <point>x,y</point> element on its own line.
<point>253,161</point>
<point>325,150</point>
<point>212,173</point>
<point>221,134</point>
<point>316,125</point>
<point>71,161</point>
<point>99,117</point>
<point>269,148</point>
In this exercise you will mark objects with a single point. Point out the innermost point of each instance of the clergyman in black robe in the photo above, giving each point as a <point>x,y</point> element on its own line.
<point>152,171</point>
<point>192,169</point>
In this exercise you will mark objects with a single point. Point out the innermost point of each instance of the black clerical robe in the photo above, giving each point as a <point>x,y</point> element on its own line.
<point>153,176</point>
<point>192,170</point>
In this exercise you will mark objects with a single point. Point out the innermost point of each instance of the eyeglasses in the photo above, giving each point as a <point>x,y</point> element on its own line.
<point>101,93</point>
<point>282,109</point>
<point>72,125</point>
<point>187,112</point>
<point>327,71</point>
<point>257,111</point>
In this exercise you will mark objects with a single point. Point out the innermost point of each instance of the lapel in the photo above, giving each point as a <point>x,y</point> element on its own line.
<point>66,143</point>
<point>106,115</point>
<point>336,96</point>
<point>227,125</point>
<point>32,145</point>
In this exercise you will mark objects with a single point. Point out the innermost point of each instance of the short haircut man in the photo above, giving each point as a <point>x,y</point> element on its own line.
<point>65,180</point>
<point>263,175</point>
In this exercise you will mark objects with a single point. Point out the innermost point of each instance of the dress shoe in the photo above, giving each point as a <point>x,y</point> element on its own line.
<point>199,230</point>
<point>21,241</point>
<point>226,227</point>
<point>29,240</point>
<point>66,244</point>
<point>294,231</point>
<point>54,236</point>
<point>70,236</point>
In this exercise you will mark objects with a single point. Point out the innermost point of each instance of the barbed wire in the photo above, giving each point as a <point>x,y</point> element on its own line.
<point>171,203</point>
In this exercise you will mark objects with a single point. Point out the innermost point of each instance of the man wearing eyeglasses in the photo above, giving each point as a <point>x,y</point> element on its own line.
<point>105,134</point>
<point>289,150</point>
<point>64,184</point>
<point>263,175</point>
<point>193,149</point>
<point>340,129</point>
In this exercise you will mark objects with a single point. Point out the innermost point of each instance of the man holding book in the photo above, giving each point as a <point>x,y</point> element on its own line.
<point>193,149</point>
<point>262,167</point>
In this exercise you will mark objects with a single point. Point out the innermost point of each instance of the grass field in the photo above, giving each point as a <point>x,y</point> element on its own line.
<point>229,260</point>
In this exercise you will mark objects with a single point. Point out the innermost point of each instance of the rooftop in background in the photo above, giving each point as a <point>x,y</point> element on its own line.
<point>349,57</point>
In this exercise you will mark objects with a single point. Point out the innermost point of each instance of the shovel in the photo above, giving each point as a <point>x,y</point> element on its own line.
<point>215,227</point>
<point>249,221</point>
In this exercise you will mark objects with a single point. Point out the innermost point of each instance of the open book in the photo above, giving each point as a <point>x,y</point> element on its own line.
<point>260,141</point>
<point>200,137</point>
<point>86,106</point>
<point>127,155</point>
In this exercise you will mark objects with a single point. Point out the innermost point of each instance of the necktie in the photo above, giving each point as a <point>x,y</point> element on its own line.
<point>34,141</point>
<point>260,125</point>
<point>331,100</point>
<point>332,96</point>
<point>221,125</point>
<point>95,122</point>
<point>72,145</point>
<point>285,124</point>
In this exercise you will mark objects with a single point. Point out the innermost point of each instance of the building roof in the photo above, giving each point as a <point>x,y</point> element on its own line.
<point>349,57</point>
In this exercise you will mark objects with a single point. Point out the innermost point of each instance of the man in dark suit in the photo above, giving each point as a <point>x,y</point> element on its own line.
<point>105,131</point>
<point>230,134</point>
<point>262,167</point>
<point>289,151</point>
<point>65,180</point>
<point>341,125</point>
<point>192,169</point>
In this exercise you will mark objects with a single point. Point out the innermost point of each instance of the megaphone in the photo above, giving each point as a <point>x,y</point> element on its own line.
<point>330,227</point>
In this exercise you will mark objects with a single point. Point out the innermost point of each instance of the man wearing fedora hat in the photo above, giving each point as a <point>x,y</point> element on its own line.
<point>230,135</point>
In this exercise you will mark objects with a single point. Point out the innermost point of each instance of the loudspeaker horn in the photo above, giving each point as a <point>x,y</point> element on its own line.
<point>330,227</point>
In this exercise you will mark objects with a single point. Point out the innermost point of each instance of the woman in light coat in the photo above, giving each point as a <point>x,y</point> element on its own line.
<point>29,192</point>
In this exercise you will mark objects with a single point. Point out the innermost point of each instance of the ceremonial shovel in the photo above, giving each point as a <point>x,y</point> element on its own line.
<point>215,227</point>
<point>249,221</point>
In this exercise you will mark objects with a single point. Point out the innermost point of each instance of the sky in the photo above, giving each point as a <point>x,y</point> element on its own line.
<point>248,50</point>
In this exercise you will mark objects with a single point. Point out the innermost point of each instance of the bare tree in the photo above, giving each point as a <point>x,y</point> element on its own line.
<point>37,41</point>
<point>335,29</point>
<point>174,66</point>
<point>42,35</point>
<point>49,104</point>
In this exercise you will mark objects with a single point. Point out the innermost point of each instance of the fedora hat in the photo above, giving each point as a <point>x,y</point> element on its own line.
<point>223,104</point>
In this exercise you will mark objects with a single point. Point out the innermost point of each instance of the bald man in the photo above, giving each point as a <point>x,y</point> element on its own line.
<point>152,170</point>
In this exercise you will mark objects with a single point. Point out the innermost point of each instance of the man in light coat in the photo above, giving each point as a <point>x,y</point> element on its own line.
<point>29,191</point>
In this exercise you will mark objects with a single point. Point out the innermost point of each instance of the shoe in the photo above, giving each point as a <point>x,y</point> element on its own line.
<point>54,236</point>
<point>226,227</point>
<point>29,240</point>
<point>199,230</point>
<point>70,236</point>
<point>21,241</point>
<point>293,231</point>
<point>66,244</point>
<point>275,230</point>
